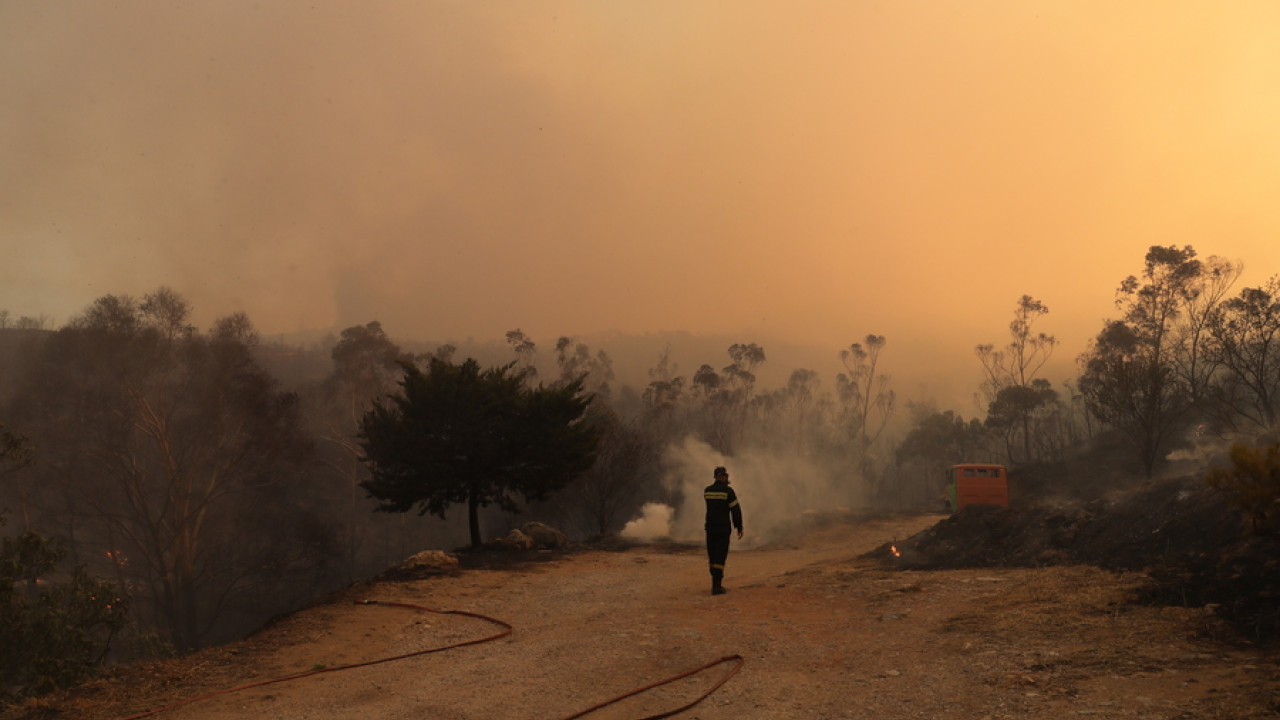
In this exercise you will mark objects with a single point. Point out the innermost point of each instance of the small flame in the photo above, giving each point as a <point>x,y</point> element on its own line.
<point>894,549</point>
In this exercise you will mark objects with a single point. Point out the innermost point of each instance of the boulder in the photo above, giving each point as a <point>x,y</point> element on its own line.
<point>514,541</point>
<point>430,559</point>
<point>531,536</point>
<point>545,537</point>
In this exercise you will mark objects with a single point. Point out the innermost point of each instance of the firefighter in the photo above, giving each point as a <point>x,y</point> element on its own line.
<point>722,509</point>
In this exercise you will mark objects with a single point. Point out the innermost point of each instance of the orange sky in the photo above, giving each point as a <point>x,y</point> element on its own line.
<point>803,171</point>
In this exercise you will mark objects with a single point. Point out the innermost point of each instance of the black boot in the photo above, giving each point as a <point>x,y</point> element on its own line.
<point>716,587</point>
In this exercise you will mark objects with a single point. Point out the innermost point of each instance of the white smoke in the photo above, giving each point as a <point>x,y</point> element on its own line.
<point>775,490</point>
<point>1201,447</point>
<point>654,523</point>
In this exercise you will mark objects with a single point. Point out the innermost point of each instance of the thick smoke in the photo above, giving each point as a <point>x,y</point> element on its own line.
<point>654,523</point>
<point>319,165</point>
<point>775,489</point>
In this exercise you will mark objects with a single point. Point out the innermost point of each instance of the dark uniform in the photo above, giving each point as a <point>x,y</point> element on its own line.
<point>723,515</point>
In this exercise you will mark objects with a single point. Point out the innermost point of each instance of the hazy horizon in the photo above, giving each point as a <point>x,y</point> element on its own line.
<point>796,174</point>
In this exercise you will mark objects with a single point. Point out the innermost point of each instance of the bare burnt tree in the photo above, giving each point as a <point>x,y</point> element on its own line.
<point>866,400</point>
<point>1012,395</point>
<point>1019,362</point>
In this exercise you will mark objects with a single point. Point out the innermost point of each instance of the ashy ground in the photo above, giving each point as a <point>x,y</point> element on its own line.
<point>827,625</point>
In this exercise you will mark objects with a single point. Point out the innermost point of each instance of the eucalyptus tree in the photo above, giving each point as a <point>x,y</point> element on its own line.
<point>1019,362</point>
<point>739,374</point>
<point>1130,374</point>
<point>1013,394</point>
<point>576,362</point>
<point>1246,335</point>
<point>1025,416</point>
<point>866,400</point>
<point>366,366</point>
<point>526,351</point>
<point>1196,358</point>
<point>666,388</point>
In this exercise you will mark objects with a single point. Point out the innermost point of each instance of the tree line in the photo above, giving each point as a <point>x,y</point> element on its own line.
<point>176,465</point>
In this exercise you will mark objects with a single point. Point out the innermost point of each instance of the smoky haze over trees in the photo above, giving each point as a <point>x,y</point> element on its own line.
<point>217,480</point>
<point>366,364</point>
<point>173,453</point>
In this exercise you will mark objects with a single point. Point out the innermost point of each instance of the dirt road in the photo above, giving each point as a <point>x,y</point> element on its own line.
<point>824,634</point>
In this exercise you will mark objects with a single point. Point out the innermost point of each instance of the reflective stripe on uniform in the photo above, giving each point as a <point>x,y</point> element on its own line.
<point>734,504</point>
<point>716,567</point>
<point>715,495</point>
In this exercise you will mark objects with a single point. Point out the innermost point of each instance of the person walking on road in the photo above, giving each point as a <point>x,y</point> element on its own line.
<point>723,513</point>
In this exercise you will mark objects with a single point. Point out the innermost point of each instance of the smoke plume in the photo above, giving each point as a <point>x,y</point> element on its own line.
<point>775,490</point>
<point>654,523</point>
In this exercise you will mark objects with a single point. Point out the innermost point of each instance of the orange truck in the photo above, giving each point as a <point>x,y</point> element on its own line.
<point>977,484</point>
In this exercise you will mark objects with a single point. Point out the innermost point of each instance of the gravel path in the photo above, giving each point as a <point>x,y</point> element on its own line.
<point>824,634</point>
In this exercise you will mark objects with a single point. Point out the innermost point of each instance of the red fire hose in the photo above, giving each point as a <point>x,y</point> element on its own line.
<point>506,630</point>
<point>736,659</point>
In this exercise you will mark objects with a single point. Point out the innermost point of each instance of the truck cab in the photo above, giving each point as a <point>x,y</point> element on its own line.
<point>977,484</point>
